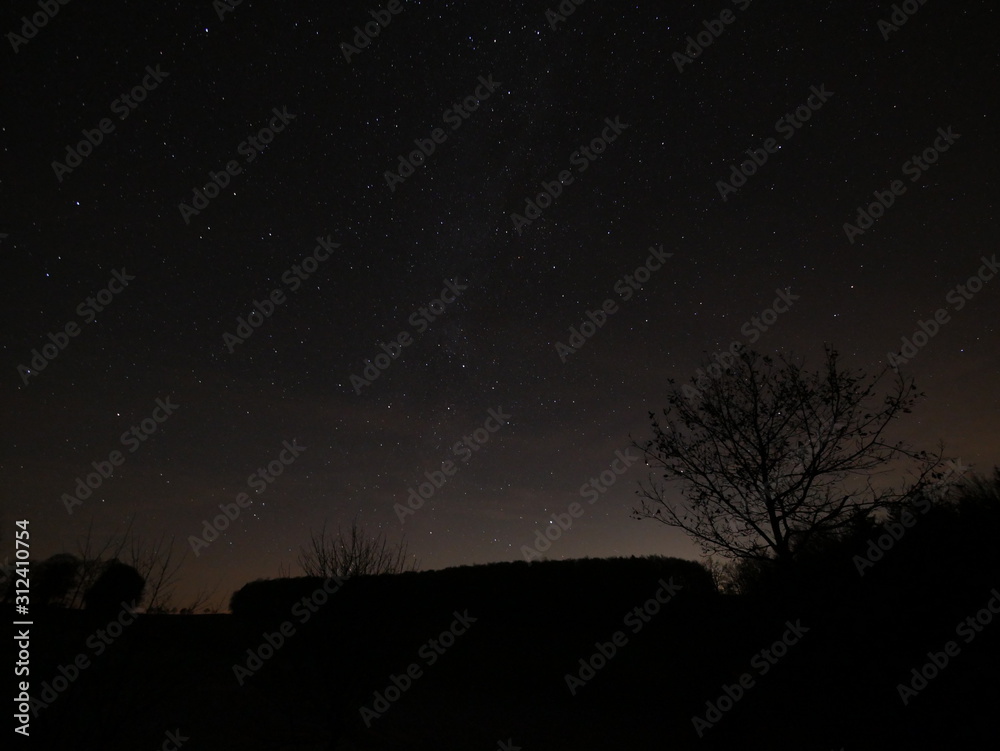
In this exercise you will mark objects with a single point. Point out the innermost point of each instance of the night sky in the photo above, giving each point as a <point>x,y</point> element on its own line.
<point>360,259</point>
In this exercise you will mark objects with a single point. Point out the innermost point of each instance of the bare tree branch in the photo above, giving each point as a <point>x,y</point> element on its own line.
<point>353,554</point>
<point>770,456</point>
<point>155,560</point>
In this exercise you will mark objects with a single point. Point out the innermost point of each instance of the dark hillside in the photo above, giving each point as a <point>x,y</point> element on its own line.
<point>589,654</point>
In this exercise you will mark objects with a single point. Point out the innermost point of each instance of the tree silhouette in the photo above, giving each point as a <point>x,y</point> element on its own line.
<point>353,553</point>
<point>155,559</point>
<point>118,585</point>
<point>772,457</point>
<point>54,578</point>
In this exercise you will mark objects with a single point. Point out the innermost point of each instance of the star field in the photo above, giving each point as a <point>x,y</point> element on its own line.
<point>323,174</point>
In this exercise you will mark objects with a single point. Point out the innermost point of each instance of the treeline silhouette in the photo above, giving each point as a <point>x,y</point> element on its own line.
<point>101,587</point>
<point>876,599</point>
<point>860,614</point>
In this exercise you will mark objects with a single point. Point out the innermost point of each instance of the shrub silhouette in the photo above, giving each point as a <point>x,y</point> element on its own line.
<point>54,579</point>
<point>940,542</point>
<point>118,584</point>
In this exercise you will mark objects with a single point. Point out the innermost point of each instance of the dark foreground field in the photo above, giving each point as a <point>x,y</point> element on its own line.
<point>499,681</point>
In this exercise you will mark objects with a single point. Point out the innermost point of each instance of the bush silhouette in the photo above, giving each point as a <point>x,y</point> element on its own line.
<point>484,586</point>
<point>54,578</point>
<point>938,542</point>
<point>118,585</point>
